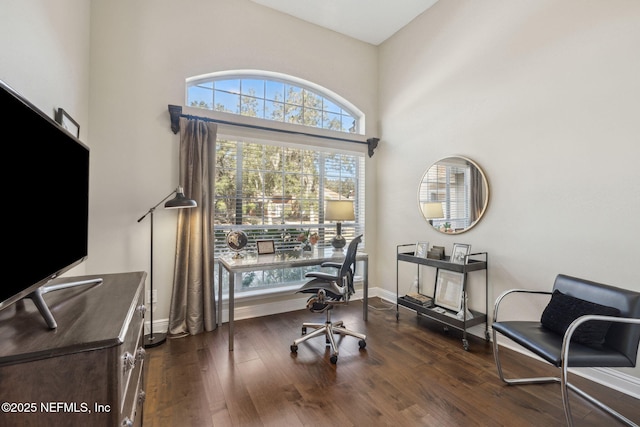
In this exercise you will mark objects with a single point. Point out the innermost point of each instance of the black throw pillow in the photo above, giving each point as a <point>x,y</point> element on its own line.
<point>564,309</point>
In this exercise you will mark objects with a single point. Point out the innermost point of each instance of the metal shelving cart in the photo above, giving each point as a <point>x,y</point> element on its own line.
<point>473,262</point>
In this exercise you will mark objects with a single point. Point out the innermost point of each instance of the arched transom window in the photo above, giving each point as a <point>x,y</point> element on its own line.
<point>276,97</point>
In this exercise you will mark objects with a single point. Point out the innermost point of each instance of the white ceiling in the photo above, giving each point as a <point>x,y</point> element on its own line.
<point>372,21</point>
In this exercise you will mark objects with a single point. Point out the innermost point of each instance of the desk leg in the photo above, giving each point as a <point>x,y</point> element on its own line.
<point>219,313</point>
<point>232,287</point>
<point>365,291</point>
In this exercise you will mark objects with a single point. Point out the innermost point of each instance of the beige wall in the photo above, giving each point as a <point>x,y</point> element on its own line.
<point>545,96</point>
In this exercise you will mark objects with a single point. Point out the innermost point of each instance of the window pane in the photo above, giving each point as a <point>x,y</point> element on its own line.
<point>293,95</point>
<point>331,107</point>
<point>253,87</point>
<point>274,111</point>
<point>227,102</point>
<point>201,96</point>
<point>293,114</point>
<point>332,121</point>
<point>252,107</point>
<point>274,90</point>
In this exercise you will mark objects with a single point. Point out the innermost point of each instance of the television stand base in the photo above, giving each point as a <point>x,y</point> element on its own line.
<point>37,297</point>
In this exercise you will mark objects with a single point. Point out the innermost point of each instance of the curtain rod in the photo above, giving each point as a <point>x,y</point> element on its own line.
<point>175,112</point>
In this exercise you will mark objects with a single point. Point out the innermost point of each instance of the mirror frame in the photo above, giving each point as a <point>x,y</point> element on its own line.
<point>485,199</point>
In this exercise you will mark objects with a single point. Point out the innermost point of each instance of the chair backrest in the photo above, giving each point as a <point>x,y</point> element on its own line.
<point>348,269</point>
<point>623,337</point>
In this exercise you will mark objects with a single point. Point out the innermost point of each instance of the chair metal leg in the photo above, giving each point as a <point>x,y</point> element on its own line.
<point>565,386</point>
<point>516,381</point>
<point>328,329</point>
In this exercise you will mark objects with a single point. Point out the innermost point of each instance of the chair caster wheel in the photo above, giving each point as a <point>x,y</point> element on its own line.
<point>362,344</point>
<point>334,359</point>
<point>294,348</point>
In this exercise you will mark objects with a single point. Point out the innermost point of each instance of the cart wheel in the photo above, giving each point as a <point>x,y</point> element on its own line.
<point>465,344</point>
<point>362,344</point>
<point>334,359</point>
<point>487,336</point>
<point>294,348</point>
<point>397,315</point>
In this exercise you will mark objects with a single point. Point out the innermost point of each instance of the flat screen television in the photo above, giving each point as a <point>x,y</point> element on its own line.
<point>46,212</point>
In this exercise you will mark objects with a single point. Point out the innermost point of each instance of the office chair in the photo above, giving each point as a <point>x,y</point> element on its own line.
<point>328,291</point>
<point>585,325</point>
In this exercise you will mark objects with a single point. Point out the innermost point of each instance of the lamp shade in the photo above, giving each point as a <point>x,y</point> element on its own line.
<point>432,210</point>
<point>180,201</point>
<point>339,210</point>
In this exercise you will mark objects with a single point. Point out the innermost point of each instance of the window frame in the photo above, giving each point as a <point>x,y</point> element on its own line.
<point>345,105</point>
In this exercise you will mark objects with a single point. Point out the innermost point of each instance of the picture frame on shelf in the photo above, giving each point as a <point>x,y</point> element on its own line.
<point>266,247</point>
<point>460,252</point>
<point>67,123</point>
<point>449,290</point>
<point>421,249</point>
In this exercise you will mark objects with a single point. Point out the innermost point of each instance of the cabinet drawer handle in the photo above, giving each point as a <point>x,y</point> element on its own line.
<point>128,360</point>
<point>140,354</point>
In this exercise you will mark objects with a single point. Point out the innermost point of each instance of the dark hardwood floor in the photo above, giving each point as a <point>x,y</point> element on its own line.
<point>411,373</point>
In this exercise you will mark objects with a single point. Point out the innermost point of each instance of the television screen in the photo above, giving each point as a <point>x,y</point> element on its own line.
<point>46,189</point>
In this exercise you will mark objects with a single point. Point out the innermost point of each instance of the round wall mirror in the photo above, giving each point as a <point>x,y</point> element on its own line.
<point>453,195</point>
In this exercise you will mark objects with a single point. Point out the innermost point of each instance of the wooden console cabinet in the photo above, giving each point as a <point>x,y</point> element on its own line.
<point>88,371</point>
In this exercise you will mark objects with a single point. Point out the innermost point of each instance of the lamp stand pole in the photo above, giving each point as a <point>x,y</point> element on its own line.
<point>152,339</point>
<point>179,202</point>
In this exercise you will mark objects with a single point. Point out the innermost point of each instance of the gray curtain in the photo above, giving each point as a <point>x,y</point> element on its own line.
<point>193,308</point>
<point>477,194</point>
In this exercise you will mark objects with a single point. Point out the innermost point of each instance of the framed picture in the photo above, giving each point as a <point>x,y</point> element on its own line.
<point>449,290</point>
<point>421,249</point>
<point>460,252</point>
<point>266,247</point>
<point>67,122</point>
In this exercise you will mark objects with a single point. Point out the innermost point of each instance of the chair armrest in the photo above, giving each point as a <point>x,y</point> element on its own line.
<point>586,318</point>
<point>331,264</point>
<point>514,291</point>
<point>566,340</point>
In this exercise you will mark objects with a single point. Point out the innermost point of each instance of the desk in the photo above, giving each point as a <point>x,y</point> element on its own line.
<point>283,259</point>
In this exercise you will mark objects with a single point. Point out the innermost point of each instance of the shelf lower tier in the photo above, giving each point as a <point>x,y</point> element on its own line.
<point>446,318</point>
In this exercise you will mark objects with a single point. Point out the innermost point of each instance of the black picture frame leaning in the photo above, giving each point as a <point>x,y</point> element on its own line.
<point>67,122</point>
<point>266,247</point>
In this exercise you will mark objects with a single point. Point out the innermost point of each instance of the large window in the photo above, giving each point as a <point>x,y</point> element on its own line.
<point>273,97</point>
<point>274,186</point>
<point>276,191</point>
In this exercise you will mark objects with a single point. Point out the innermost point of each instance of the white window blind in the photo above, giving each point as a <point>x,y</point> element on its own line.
<point>274,189</point>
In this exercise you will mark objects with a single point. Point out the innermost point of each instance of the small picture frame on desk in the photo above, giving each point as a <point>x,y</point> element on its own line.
<point>266,247</point>
<point>421,249</point>
<point>449,290</point>
<point>460,252</point>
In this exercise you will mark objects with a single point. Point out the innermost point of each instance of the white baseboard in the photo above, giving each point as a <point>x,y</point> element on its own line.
<point>607,377</point>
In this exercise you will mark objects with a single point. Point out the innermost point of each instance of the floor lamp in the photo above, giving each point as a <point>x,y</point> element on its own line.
<point>178,202</point>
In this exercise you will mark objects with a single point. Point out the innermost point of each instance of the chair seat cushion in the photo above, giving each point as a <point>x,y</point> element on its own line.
<point>547,344</point>
<point>564,309</point>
